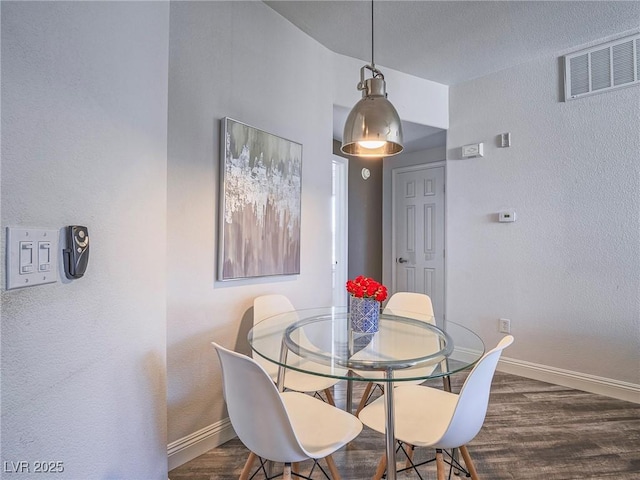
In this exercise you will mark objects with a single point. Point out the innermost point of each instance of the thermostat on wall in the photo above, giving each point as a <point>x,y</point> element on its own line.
<point>473,150</point>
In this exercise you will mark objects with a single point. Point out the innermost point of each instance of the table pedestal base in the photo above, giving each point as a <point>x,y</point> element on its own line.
<point>389,427</point>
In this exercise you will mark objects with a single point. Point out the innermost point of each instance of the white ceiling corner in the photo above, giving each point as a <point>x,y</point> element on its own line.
<point>452,42</point>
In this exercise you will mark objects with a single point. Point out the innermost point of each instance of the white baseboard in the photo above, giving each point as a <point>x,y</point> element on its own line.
<point>608,387</point>
<point>189,447</point>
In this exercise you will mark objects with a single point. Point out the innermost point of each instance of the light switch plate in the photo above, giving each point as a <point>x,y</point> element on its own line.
<point>32,257</point>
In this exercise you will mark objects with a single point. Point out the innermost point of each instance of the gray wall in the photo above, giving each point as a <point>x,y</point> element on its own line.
<point>242,60</point>
<point>84,134</point>
<point>567,272</point>
<point>365,216</point>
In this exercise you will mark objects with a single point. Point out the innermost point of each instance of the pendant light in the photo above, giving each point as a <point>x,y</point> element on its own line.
<point>373,127</point>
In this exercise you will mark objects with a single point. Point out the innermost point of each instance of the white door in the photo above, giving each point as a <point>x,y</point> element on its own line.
<point>339,210</point>
<point>418,232</point>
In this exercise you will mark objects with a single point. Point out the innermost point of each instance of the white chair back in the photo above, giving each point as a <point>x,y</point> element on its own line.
<point>256,409</point>
<point>267,306</point>
<point>473,400</point>
<point>417,306</point>
<point>412,305</point>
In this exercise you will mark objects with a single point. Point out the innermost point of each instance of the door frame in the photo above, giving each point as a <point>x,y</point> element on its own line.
<point>340,236</point>
<point>394,173</point>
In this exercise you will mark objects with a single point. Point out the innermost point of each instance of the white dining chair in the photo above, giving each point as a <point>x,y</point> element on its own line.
<point>428,417</point>
<point>411,305</point>
<point>266,306</point>
<point>287,427</point>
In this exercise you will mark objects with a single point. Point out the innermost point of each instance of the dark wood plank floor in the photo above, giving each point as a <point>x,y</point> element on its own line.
<point>533,430</point>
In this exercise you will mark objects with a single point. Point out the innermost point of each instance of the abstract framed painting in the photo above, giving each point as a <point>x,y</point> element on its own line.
<point>260,196</point>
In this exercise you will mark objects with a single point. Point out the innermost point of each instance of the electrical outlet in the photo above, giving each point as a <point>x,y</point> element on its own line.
<point>504,325</point>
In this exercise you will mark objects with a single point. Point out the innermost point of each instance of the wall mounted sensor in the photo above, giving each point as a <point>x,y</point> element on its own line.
<point>76,255</point>
<point>473,150</point>
<point>507,217</point>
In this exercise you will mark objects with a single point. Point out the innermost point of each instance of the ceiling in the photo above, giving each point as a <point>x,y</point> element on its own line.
<point>451,42</point>
<point>454,41</point>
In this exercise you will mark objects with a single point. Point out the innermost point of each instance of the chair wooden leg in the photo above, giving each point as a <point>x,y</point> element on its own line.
<point>440,464</point>
<point>382,467</point>
<point>295,467</point>
<point>286,474</point>
<point>365,396</point>
<point>330,401</point>
<point>248,465</point>
<point>335,475</point>
<point>409,456</point>
<point>469,463</point>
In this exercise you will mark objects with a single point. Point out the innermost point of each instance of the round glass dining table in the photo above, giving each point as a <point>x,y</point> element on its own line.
<point>321,342</point>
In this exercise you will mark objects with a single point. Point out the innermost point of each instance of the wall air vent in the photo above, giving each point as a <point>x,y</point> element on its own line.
<point>603,67</point>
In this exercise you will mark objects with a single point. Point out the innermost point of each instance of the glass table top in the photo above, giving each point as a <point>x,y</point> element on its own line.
<point>320,342</point>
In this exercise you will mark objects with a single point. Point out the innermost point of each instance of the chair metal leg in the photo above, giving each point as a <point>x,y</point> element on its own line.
<point>440,464</point>
<point>335,475</point>
<point>365,397</point>
<point>469,463</point>
<point>289,471</point>
<point>247,466</point>
<point>382,467</point>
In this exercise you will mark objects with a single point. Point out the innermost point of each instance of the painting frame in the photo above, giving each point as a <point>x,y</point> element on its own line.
<point>259,232</point>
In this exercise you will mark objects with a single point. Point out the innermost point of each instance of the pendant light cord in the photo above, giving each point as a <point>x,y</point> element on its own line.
<point>362,85</point>
<point>373,64</point>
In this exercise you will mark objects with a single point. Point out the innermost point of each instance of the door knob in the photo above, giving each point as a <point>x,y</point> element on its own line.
<point>402,260</point>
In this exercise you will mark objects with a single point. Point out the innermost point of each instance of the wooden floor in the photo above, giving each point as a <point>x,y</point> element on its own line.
<point>533,430</point>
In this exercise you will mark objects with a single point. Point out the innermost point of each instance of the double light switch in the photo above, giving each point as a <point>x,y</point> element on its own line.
<point>31,257</point>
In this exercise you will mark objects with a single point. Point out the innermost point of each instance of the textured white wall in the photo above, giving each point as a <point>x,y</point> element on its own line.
<point>242,60</point>
<point>567,273</point>
<point>84,100</point>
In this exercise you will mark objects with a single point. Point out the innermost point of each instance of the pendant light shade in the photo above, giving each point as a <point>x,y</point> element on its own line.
<point>373,127</point>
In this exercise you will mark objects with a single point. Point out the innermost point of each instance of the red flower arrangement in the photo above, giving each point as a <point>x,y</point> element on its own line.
<point>364,287</point>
